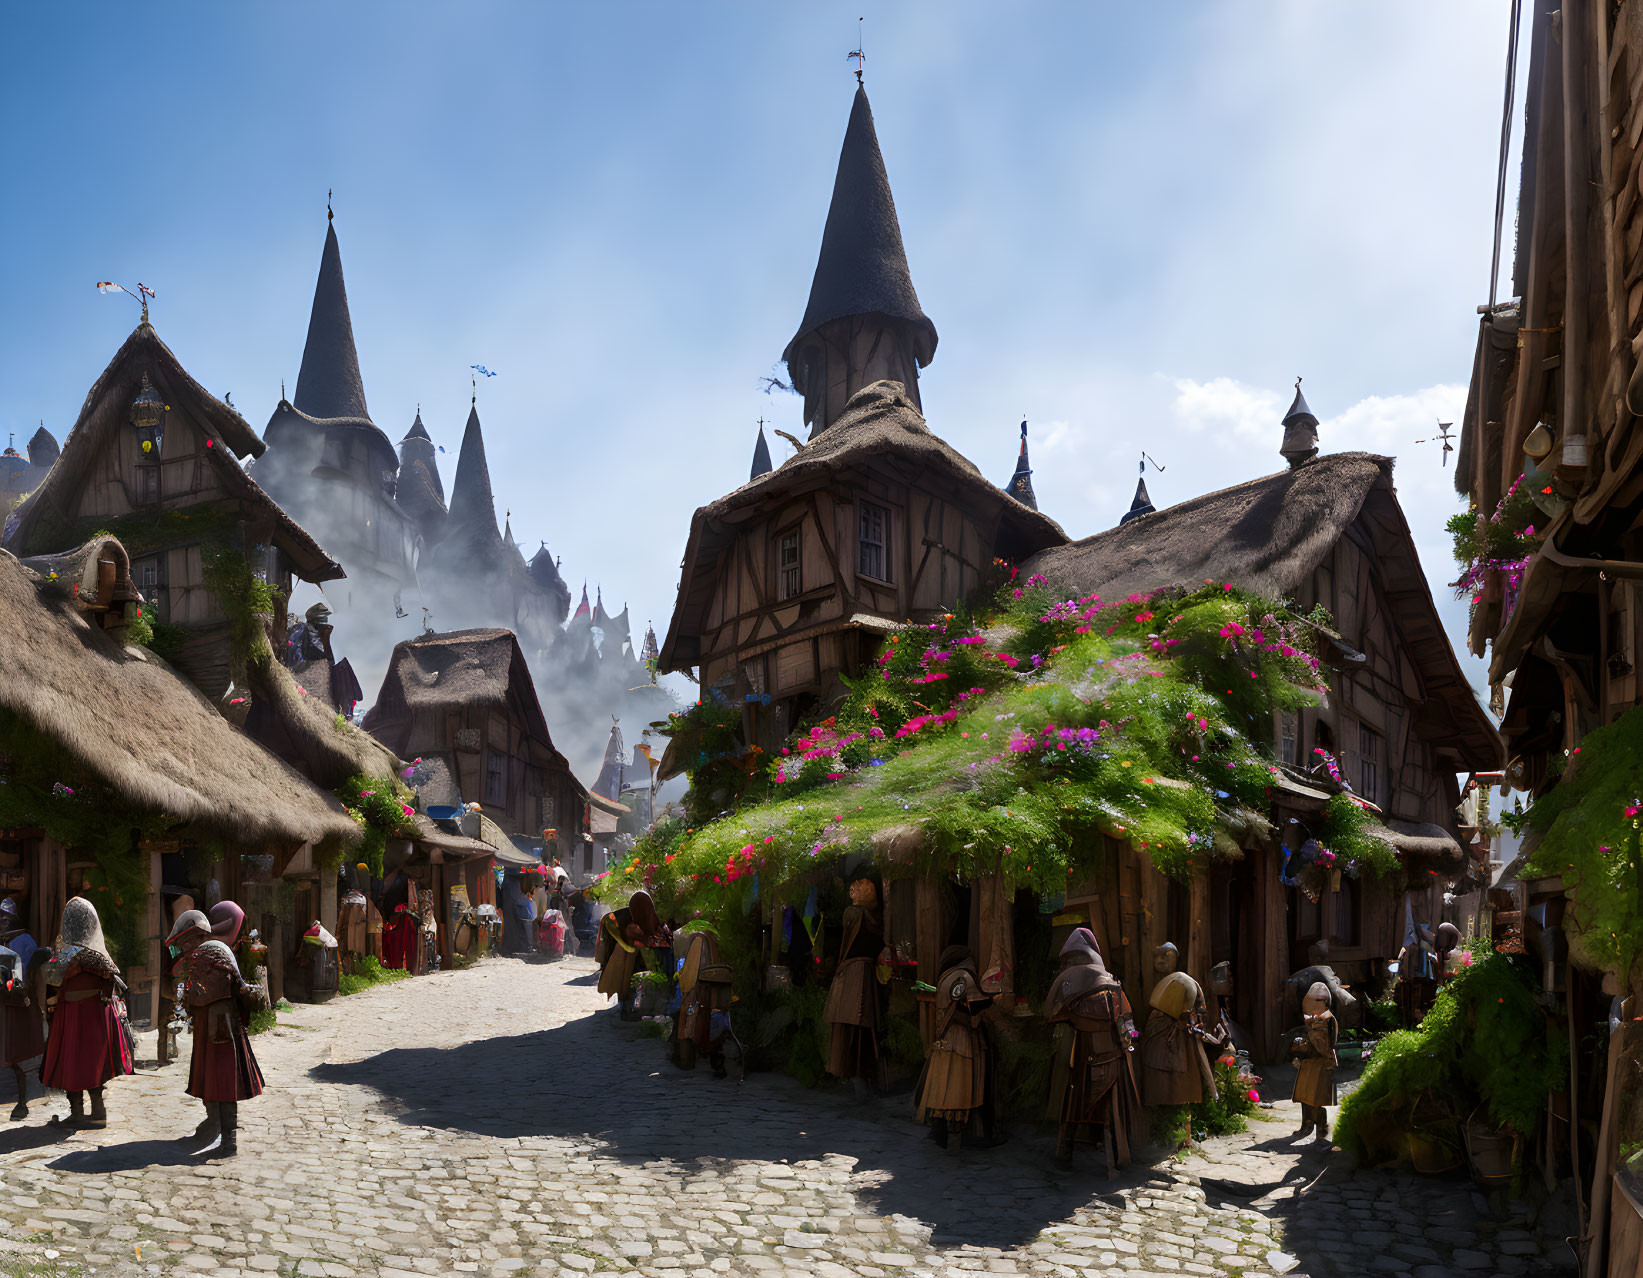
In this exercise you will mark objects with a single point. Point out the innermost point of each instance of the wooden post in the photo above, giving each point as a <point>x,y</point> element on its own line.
<point>328,898</point>
<point>929,936</point>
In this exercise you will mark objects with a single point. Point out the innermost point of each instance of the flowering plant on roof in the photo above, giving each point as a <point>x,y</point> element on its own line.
<point>1499,546</point>
<point>1147,719</point>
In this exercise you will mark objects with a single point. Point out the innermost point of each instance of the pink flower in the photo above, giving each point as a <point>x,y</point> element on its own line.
<point>1254,1096</point>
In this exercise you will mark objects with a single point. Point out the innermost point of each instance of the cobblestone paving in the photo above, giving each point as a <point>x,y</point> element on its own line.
<point>495,1122</point>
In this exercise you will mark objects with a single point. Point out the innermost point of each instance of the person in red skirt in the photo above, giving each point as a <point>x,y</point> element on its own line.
<point>86,1046</point>
<point>22,1031</point>
<point>222,1071</point>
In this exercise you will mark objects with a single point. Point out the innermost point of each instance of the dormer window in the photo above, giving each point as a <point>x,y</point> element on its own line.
<point>789,580</point>
<point>873,559</point>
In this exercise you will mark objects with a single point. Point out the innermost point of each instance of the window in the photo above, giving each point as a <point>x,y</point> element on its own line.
<point>788,581</point>
<point>148,484</point>
<point>548,813</point>
<point>145,575</point>
<point>496,778</point>
<point>874,560</point>
<point>1369,754</point>
<point>1286,737</point>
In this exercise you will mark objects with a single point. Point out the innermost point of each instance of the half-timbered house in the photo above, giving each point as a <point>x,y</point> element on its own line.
<point>156,459</point>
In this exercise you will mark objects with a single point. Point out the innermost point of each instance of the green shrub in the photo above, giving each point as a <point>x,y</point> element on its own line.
<point>368,971</point>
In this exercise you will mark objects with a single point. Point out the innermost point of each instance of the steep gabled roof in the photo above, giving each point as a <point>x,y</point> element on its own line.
<point>1268,536</point>
<point>39,524</point>
<point>879,424</point>
<point>862,267</point>
<point>144,732</point>
<point>329,384</point>
<point>460,670</point>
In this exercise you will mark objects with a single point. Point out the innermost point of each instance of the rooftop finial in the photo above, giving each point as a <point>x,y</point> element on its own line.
<point>858,53</point>
<point>474,383</point>
<point>1300,431</point>
<point>329,216</point>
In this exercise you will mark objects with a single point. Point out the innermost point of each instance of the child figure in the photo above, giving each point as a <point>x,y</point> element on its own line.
<point>1313,1049</point>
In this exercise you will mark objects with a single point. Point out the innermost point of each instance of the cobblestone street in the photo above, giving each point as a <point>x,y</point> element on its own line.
<point>496,1121</point>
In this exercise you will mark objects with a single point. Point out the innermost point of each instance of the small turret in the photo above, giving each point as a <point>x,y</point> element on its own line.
<point>1300,431</point>
<point>1142,505</point>
<point>761,455</point>
<point>43,450</point>
<point>1021,483</point>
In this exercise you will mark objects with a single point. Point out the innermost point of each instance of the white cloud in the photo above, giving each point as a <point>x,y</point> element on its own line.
<point>1221,403</point>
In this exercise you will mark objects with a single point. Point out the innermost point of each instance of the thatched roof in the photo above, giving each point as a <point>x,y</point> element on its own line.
<point>881,424</point>
<point>302,727</point>
<point>461,670</point>
<point>38,525</point>
<point>329,384</point>
<point>862,267</point>
<point>141,730</point>
<point>1267,536</point>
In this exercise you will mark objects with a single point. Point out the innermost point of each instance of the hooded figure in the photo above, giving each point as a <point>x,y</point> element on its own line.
<point>628,939</point>
<point>22,1035</point>
<point>1092,1083</point>
<point>227,920</point>
<point>222,1071</point>
<point>704,1002</point>
<point>958,1074</point>
<point>87,1045</point>
<point>1313,1050</point>
<point>853,1013</point>
<point>1174,1069</point>
<point>519,916</point>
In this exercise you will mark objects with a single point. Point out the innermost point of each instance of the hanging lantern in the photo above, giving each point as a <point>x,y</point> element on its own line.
<point>148,416</point>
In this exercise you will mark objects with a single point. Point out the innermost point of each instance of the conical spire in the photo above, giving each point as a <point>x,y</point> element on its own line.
<point>473,509</point>
<point>545,573</point>
<point>761,456</point>
<point>583,609</point>
<point>652,650</point>
<point>1300,430</point>
<point>611,770</point>
<point>861,271</point>
<point>1021,483</point>
<point>418,447</point>
<point>329,383</point>
<point>1142,505</point>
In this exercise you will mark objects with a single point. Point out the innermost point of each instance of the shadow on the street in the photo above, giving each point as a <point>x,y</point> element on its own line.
<point>599,1081</point>
<point>16,1139</point>
<point>133,1155</point>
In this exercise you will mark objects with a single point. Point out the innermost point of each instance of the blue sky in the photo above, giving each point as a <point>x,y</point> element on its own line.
<point>1134,225</point>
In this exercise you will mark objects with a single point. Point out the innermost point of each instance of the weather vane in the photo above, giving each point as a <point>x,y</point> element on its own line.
<point>858,53</point>
<point>142,294</point>
<point>1442,437</point>
<point>1145,459</point>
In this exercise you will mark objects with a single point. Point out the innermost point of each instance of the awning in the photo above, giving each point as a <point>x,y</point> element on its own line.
<point>503,849</point>
<point>1422,845</point>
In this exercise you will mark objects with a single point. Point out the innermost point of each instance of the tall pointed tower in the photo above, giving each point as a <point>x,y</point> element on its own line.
<point>331,468</point>
<point>863,322</point>
<point>1021,483</point>
<point>419,491</point>
<point>472,543</point>
<point>1300,431</point>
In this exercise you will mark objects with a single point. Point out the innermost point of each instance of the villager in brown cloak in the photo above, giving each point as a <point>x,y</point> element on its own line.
<point>1174,1069</point>
<point>222,1070</point>
<point>622,935</point>
<point>853,999</point>
<point>1313,1050</point>
<point>1096,1086</point>
<point>958,1074</point>
<point>87,1044</point>
<point>703,1021</point>
<point>22,1030</point>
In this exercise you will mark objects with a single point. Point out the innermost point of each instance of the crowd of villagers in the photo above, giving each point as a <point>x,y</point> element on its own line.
<point>1009,739</point>
<point>67,1005</point>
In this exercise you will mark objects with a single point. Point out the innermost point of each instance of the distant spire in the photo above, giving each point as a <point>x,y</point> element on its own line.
<point>1021,483</point>
<point>651,651</point>
<point>583,609</point>
<point>860,271</point>
<point>473,508</point>
<point>43,450</point>
<point>329,384</point>
<point>1142,505</point>
<point>1300,431</point>
<point>761,455</point>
